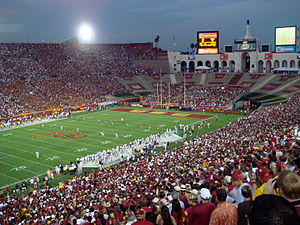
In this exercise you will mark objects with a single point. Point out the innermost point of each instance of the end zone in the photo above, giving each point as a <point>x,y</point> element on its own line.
<point>175,114</point>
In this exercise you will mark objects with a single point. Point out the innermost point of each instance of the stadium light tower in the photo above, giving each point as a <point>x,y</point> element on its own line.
<point>85,33</point>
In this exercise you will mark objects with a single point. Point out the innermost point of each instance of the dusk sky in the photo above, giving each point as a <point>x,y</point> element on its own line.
<point>124,21</point>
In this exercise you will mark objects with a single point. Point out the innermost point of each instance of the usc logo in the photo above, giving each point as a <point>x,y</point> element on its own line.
<point>63,135</point>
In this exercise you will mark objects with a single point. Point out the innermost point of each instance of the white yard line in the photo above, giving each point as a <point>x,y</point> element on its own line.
<point>30,124</point>
<point>41,147</point>
<point>42,164</point>
<point>15,167</point>
<point>20,181</point>
<point>8,177</point>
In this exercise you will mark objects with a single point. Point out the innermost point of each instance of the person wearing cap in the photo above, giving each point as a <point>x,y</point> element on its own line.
<point>263,174</point>
<point>200,213</point>
<point>182,196</point>
<point>225,213</point>
<point>236,181</point>
<point>140,215</point>
<point>236,192</point>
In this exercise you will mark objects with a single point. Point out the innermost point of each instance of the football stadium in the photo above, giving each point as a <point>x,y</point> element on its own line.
<point>131,133</point>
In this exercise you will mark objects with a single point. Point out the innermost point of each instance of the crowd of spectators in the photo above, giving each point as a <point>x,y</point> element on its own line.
<point>196,95</point>
<point>221,169</point>
<point>36,77</point>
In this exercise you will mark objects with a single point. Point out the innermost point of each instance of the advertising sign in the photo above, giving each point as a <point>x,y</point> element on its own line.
<point>285,48</point>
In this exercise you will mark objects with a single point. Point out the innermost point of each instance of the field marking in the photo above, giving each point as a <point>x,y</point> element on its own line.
<point>18,168</point>
<point>105,142</point>
<point>64,140</point>
<point>20,181</point>
<point>81,150</point>
<point>9,177</point>
<point>42,147</point>
<point>127,136</point>
<point>52,158</point>
<point>14,166</point>
<point>30,124</point>
<point>8,134</point>
<point>43,164</point>
<point>31,129</point>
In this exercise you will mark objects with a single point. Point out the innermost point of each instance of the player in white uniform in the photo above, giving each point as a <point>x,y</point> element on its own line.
<point>116,136</point>
<point>37,155</point>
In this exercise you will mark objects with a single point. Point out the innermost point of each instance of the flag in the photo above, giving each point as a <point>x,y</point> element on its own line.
<point>174,42</point>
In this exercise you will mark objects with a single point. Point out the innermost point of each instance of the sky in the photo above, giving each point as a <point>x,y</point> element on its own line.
<point>128,21</point>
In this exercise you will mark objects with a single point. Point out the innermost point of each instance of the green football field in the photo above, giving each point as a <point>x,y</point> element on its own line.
<point>18,146</point>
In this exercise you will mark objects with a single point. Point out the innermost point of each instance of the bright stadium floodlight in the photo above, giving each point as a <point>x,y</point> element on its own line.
<point>85,33</point>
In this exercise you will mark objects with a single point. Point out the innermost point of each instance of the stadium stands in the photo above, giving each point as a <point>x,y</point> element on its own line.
<point>38,77</point>
<point>263,139</point>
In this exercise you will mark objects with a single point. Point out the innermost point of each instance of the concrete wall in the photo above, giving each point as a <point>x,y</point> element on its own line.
<point>258,61</point>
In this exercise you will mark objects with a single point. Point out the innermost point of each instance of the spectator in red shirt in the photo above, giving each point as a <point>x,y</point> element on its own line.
<point>200,213</point>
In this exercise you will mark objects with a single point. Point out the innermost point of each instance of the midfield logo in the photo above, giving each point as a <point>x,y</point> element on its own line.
<point>63,135</point>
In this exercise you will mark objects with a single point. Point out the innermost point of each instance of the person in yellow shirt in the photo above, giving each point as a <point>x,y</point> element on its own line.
<point>264,175</point>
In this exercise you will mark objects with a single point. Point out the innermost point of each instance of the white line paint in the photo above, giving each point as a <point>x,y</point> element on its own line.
<point>15,167</point>
<point>42,164</point>
<point>8,177</point>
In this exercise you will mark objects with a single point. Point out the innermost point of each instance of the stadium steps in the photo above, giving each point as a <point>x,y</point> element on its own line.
<point>173,79</point>
<point>284,86</point>
<point>203,78</point>
<point>144,80</point>
<point>262,83</point>
<point>272,92</point>
<point>236,78</point>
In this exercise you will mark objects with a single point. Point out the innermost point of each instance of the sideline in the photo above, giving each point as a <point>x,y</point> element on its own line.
<point>30,124</point>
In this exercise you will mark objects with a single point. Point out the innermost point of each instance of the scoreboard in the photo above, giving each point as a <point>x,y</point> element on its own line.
<point>208,42</point>
<point>244,45</point>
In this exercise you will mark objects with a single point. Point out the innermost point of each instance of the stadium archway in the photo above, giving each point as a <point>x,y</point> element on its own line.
<point>276,64</point>
<point>231,66</point>
<point>216,66</point>
<point>268,66</point>
<point>292,63</point>
<point>260,66</point>
<point>183,66</point>
<point>191,66</point>
<point>245,62</point>
<point>199,63</point>
<point>208,64</point>
<point>284,63</point>
<point>224,66</point>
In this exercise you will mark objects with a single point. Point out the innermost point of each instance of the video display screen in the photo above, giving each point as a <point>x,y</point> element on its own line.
<point>285,35</point>
<point>208,42</point>
<point>244,45</point>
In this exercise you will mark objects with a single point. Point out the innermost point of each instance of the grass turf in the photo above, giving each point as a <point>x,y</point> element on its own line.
<point>18,160</point>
